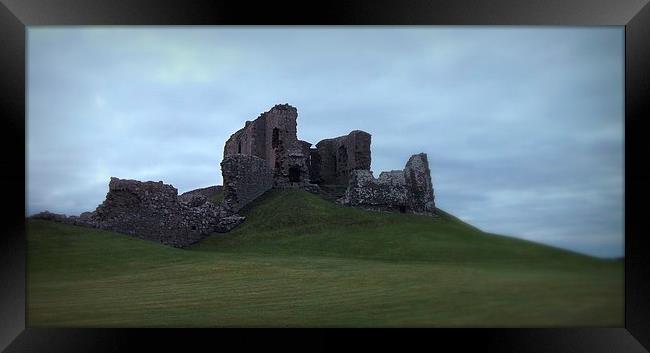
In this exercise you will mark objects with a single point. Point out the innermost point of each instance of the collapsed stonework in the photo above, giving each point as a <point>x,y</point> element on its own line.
<point>408,190</point>
<point>199,196</point>
<point>151,210</point>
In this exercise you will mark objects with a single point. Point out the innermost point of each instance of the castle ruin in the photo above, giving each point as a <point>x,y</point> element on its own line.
<point>265,154</point>
<point>272,137</point>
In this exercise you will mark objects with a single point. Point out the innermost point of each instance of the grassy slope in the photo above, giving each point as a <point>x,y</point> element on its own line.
<point>301,261</point>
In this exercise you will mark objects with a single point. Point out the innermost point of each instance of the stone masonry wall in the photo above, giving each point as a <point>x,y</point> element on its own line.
<point>418,183</point>
<point>199,196</point>
<point>151,210</point>
<point>273,138</point>
<point>387,193</point>
<point>408,190</point>
<point>339,156</point>
<point>244,179</point>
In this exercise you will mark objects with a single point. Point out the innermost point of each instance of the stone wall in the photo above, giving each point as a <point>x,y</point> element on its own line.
<point>273,138</point>
<point>199,196</point>
<point>387,193</point>
<point>418,183</point>
<point>250,140</point>
<point>338,157</point>
<point>244,179</point>
<point>408,190</point>
<point>151,210</point>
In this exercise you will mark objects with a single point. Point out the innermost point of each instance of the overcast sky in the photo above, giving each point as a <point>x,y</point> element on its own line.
<point>523,125</point>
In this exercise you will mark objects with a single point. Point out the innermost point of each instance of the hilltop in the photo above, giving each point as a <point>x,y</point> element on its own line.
<point>297,222</point>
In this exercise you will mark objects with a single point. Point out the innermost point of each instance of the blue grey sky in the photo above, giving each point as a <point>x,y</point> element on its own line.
<point>523,125</point>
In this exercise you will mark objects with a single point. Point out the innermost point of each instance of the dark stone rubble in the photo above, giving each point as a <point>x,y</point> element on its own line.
<point>409,190</point>
<point>152,210</point>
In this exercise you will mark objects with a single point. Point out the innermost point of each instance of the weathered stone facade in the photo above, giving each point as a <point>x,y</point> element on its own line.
<point>244,179</point>
<point>273,138</point>
<point>198,196</point>
<point>408,190</point>
<point>151,210</point>
<point>417,176</point>
<point>334,159</point>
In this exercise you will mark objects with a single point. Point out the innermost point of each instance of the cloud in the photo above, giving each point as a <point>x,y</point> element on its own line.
<point>523,126</point>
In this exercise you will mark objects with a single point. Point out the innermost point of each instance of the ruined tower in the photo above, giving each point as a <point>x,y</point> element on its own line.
<point>266,153</point>
<point>273,138</point>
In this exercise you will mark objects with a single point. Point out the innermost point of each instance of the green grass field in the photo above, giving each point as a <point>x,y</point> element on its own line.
<point>299,260</point>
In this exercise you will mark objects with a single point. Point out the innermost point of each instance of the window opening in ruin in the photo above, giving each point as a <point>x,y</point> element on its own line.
<point>294,174</point>
<point>402,209</point>
<point>239,147</point>
<point>275,139</point>
<point>193,227</point>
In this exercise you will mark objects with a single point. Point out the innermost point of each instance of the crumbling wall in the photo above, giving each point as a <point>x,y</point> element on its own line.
<point>151,210</point>
<point>250,140</point>
<point>281,138</point>
<point>387,193</point>
<point>339,156</point>
<point>304,163</point>
<point>408,190</point>
<point>418,183</point>
<point>244,179</point>
<point>199,196</point>
<point>273,138</point>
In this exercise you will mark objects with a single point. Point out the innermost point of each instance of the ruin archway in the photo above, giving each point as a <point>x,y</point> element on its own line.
<point>294,174</point>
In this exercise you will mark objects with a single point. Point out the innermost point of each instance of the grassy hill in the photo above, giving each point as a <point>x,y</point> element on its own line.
<point>299,260</point>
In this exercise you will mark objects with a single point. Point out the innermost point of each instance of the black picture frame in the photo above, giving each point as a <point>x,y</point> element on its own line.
<point>15,15</point>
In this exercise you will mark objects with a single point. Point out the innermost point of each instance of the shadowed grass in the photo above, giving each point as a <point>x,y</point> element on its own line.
<point>299,260</point>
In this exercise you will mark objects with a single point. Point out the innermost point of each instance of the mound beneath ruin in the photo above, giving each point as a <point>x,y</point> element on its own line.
<point>299,222</point>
